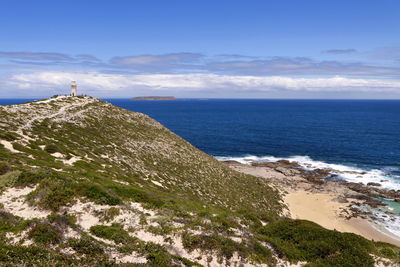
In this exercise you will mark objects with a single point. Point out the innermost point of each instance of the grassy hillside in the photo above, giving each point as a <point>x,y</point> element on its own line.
<point>85,182</point>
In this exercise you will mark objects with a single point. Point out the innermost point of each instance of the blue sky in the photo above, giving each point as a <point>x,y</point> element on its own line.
<point>252,49</point>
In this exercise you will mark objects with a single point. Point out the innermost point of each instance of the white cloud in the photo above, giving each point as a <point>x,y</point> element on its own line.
<point>198,82</point>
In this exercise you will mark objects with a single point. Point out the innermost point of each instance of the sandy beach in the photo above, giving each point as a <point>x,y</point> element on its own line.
<point>326,205</point>
<point>322,208</point>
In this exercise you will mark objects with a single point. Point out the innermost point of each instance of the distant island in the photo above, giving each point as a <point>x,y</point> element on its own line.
<point>154,98</point>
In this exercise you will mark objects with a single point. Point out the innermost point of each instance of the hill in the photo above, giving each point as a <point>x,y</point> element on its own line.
<point>86,183</point>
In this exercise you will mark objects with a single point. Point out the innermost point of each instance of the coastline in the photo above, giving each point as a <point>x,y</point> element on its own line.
<point>322,209</point>
<point>329,204</point>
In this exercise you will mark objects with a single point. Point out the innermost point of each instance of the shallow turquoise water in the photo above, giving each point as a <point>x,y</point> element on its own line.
<point>393,206</point>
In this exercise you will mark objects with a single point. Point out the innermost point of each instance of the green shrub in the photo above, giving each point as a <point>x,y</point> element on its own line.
<point>157,255</point>
<point>51,148</point>
<point>63,219</point>
<point>8,221</point>
<point>45,233</point>
<point>28,178</point>
<point>222,223</point>
<point>52,194</point>
<point>300,240</point>
<point>35,256</point>
<point>33,146</point>
<point>224,246</point>
<point>114,232</point>
<point>185,262</point>
<point>99,196</point>
<point>164,228</point>
<point>8,136</point>
<point>259,253</point>
<point>138,195</point>
<point>21,255</point>
<point>4,168</point>
<point>58,196</point>
<point>19,147</point>
<point>85,245</point>
<point>388,251</point>
<point>111,213</point>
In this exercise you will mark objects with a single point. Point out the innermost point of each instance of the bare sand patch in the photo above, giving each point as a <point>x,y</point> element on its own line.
<point>13,200</point>
<point>9,146</point>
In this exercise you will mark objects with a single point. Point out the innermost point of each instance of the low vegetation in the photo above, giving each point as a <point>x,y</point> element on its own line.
<point>45,234</point>
<point>51,148</point>
<point>4,168</point>
<point>155,254</point>
<point>300,240</point>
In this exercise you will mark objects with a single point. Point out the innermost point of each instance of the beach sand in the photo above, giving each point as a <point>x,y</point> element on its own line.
<point>322,209</point>
<point>318,204</point>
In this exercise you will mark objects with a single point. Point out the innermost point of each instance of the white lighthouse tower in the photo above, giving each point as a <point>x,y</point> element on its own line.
<point>74,88</point>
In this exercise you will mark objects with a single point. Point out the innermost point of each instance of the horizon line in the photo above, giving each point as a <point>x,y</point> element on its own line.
<point>212,98</point>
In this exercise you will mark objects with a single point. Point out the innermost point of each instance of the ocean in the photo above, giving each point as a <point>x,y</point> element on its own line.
<point>341,134</point>
<point>359,139</point>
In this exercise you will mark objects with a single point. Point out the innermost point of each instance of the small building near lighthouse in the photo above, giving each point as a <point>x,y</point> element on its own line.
<point>74,88</point>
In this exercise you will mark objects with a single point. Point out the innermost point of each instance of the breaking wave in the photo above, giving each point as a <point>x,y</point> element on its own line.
<point>348,173</point>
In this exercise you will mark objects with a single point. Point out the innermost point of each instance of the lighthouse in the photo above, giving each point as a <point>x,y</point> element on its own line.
<point>74,88</point>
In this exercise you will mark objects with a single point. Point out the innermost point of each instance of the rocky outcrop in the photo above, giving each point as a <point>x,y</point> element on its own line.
<point>315,176</point>
<point>373,191</point>
<point>373,184</point>
<point>277,164</point>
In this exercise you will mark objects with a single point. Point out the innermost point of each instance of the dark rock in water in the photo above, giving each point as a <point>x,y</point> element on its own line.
<point>334,178</point>
<point>319,173</point>
<point>316,176</point>
<point>358,196</point>
<point>373,191</point>
<point>292,168</point>
<point>397,200</point>
<point>375,203</point>
<point>287,171</point>
<point>280,163</point>
<point>354,186</point>
<point>373,184</point>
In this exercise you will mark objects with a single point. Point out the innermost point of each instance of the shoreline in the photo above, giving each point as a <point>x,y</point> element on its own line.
<point>329,204</point>
<point>322,209</point>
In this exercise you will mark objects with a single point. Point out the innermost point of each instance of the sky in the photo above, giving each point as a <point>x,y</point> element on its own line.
<point>208,49</point>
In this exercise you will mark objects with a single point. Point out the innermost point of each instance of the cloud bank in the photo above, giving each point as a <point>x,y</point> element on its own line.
<point>183,73</point>
<point>341,51</point>
<point>220,64</point>
<point>199,82</point>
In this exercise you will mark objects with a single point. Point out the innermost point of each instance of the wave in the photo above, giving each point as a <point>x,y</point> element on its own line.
<point>342,171</point>
<point>386,219</point>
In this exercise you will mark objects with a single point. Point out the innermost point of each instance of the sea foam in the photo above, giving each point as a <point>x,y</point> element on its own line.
<point>344,172</point>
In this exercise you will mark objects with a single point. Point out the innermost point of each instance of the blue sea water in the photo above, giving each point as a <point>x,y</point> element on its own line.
<point>345,134</point>
<point>341,131</point>
<point>358,133</point>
